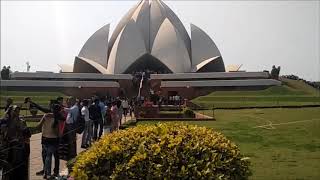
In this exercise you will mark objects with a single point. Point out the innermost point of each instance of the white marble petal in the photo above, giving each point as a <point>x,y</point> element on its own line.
<point>178,25</point>
<point>157,16</point>
<point>96,47</point>
<point>128,47</point>
<point>123,22</point>
<point>84,65</point>
<point>203,63</point>
<point>142,18</point>
<point>214,64</point>
<point>170,49</point>
<point>202,46</point>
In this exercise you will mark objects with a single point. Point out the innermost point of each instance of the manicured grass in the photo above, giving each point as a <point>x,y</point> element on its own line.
<point>289,151</point>
<point>237,104</point>
<point>301,86</point>
<point>42,98</point>
<point>30,93</point>
<point>291,93</point>
<point>32,124</point>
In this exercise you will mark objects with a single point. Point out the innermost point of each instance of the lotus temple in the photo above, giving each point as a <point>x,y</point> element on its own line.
<point>151,39</point>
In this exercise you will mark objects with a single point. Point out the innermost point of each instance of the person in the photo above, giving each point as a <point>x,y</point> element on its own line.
<point>170,100</point>
<point>131,104</point>
<point>120,110</point>
<point>96,117</point>
<point>33,105</point>
<point>9,102</point>
<point>18,136</point>
<point>4,164</point>
<point>125,106</point>
<point>58,117</point>
<point>160,102</point>
<point>108,117</point>
<point>60,101</point>
<point>176,100</point>
<point>103,110</point>
<point>87,133</point>
<point>115,119</point>
<point>50,141</point>
<point>70,127</point>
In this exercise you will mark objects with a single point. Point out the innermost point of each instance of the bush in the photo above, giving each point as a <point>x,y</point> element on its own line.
<point>188,113</point>
<point>162,151</point>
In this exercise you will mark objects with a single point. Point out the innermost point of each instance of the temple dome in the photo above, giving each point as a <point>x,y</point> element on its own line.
<point>152,30</point>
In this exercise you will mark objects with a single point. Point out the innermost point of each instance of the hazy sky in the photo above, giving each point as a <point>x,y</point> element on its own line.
<point>256,34</point>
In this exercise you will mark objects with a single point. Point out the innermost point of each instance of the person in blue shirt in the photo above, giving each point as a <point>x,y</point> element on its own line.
<point>70,127</point>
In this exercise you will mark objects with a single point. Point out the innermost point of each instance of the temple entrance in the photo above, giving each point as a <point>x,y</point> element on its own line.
<point>148,63</point>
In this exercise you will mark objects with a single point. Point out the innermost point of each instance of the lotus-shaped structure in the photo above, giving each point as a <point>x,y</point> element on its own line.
<point>150,36</point>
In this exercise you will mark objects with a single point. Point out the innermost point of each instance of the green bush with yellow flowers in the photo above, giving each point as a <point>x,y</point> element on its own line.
<point>162,151</point>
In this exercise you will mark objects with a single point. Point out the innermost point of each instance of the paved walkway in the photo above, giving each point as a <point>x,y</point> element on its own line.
<point>35,155</point>
<point>36,160</point>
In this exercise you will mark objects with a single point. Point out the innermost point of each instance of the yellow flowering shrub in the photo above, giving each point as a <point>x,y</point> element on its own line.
<point>162,151</point>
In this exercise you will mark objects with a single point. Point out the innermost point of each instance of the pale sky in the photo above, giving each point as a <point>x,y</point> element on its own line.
<point>257,34</point>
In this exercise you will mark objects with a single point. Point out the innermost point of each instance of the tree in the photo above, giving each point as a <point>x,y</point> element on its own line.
<point>4,72</point>
<point>275,72</point>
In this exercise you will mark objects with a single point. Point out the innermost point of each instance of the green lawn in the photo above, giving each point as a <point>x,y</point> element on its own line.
<point>32,124</point>
<point>22,112</point>
<point>30,93</point>
<point>42,98</point>
<point>288,151</point>
<point>291,93</point>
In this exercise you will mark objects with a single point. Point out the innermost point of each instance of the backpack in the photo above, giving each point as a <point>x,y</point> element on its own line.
<point>94,112</point>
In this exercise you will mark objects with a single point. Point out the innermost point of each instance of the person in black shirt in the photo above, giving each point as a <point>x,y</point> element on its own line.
<point>96,116</point>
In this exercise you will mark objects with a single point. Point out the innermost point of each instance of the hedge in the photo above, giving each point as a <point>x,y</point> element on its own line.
<point>162,151</point>
<point>188,113</point>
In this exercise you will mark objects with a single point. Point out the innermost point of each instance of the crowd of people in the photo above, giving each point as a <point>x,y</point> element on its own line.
<point>14,145</point>
<point>59,124</point>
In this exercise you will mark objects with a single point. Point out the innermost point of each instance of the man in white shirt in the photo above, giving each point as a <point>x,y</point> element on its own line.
<point>176,100</point>
<point>125,106</point>
<point>87,133</point>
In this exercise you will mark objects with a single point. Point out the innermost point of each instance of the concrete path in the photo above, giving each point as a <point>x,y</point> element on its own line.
<point>36,160</point>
